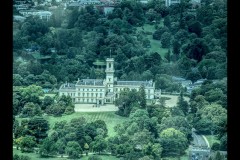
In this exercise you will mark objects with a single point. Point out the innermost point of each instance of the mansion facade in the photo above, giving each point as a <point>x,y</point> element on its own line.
<point>102,91</point>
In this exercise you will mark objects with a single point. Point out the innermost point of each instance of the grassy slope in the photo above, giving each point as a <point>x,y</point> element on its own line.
<point>34,156</point>
<point>211,139</point>
<point>110,118</point>
<point>155,44</point>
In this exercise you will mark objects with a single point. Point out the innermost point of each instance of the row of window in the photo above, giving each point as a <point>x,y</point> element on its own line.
<point>88,89</point>
<point>90,94</point>
<point>86,100</point>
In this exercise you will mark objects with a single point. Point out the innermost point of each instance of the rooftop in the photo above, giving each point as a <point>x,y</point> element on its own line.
<point>95,82</point>
<point>135,83</point>
<point>67,86</point>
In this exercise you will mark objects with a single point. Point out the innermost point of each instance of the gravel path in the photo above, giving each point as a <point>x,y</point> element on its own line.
<point>90,108</point>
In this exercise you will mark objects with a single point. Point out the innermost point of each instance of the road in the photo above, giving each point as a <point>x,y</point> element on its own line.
<point>200,148</point>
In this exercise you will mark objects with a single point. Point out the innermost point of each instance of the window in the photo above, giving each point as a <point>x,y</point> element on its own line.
<point>78,94</point>
<point>87,100</point>
<point>92,89</point>
<point>96,89</point>
<point>96,94</point>
<point>83,89</point>
<point>83,94</point>
<point>100,95</point>
<point>109,65</point>
<point>87,94</point>
<point>92,100</point>
<point>87,89</point>
<point>92,94</point>
<point>109,79</point>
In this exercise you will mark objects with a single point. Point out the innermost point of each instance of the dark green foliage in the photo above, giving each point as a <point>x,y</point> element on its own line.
<point>166,39</point>
<point>215,146</point>
<point>73,150</point>
<point>126,101</point>
<point>142,97</point>
<point>183,104</point>
<point>48,147</point>
<point>195,27</point>
<point>94,158</point>
<point>38,128</point>
<point>20,157</point>
<point>223,142</point>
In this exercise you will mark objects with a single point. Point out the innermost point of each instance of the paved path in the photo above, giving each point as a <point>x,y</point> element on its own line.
<point>90,108</point>
<point>200,149</point>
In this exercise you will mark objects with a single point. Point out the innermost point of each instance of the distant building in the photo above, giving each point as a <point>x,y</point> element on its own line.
<point>42,14</point>
<point>101,91</point>
<point>171,2</point>
<point>18,18</point>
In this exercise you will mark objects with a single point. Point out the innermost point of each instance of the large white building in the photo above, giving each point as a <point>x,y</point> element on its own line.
<point>170,2</point>
<point>101,91</point>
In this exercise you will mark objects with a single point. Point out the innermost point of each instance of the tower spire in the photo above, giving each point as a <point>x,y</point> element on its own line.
<point>110,52</point>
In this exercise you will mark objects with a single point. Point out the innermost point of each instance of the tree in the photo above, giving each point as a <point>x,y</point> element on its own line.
<point>73,149</point>
<point>176,47</point>
<point>218,156</point>
<point>195,27</point>
<point>20,157</point>
<point>47,101</point>
<point>30,110</point>
<point>173,142</point>
<point>94,158</point>
<point>99,144</point>
<point>215,146</point>
<point>48,147</point>
<point>216,114</point>
<point>197,49</point>
<point>178,123</point>
<point>182,104</point>
<point>27,143</point>
<point>38,128</point>
<point>167,21</point>
<point>86,148</point>
<point>166,39</point>
<point>142,96</point>
<point>31,93</point>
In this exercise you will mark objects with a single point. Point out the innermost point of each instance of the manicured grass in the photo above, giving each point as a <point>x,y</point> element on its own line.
<point>212,139</point>
<point>155,44</point>
<point>34,156</point>
<point>104,157</point>
<point>110,118</point>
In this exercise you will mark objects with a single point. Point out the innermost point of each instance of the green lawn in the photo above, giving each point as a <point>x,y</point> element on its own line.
<point>155,44</point>
<point>34,156</point>
<point>110,118</point>
<point>104,157</point>
<point>211,139</point>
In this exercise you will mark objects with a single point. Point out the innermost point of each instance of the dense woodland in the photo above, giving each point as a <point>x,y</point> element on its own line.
<point>49,53</point>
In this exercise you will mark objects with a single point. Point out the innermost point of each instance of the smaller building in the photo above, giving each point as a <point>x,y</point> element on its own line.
<point>18,18</point>
<point>45,15</point>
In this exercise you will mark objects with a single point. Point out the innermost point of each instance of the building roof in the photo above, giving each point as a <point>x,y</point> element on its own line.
<point>94,82</point>
<point>135,83</point>
<point>67,86</point>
